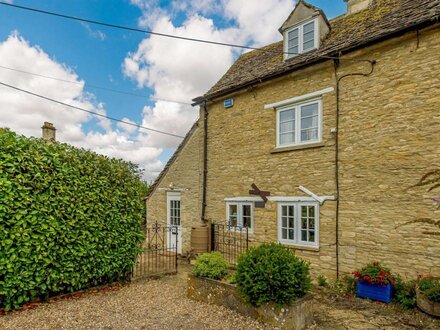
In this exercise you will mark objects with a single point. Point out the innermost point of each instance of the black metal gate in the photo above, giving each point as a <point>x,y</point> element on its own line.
<point>231,241</point>
<point>159,252</point>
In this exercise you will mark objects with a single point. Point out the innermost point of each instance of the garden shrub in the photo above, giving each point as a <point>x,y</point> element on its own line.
<point>322,281</point>
<point>272,273</point>
<point>211,265</point>
<point>69,219</point>
<point>430,286</point>
<point>405,293</point>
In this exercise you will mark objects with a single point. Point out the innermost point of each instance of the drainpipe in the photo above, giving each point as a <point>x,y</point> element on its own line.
<point>205,159</point>
<point>338,83</point>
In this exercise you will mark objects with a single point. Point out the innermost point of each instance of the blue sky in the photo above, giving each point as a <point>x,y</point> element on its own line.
<point>127,61</point>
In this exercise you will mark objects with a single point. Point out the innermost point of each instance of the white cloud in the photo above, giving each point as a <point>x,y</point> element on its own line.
<point>181,70</point>
<point>259,20</point>
<point>97,34</point>
<point>25,114</point>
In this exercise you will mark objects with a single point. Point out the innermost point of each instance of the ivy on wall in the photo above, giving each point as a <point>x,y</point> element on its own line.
<point>69,219</point>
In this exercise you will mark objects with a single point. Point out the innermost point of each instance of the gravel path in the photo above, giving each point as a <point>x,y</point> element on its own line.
<point>162,304</point>
<point>144,304</point>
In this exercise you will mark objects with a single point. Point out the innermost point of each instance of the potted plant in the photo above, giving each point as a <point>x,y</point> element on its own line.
<point>428,295</point>
<point>375,282</point>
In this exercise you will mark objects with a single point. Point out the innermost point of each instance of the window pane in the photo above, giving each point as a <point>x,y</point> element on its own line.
<point>291,234</point>
<point>233,210</point>
<point>293,51</point>
<point>308,45</point>
<point>246,210</point>
<point>303,211</point>
<point>293,42</point>
<point>284,233</point>
<point>304,235</point>
<point>287,115</point>
<point>284,210</point>
<point>233,221</point>
<point>287,138</point>
<point>309,135</point>
<point>292,34</point>
<point>288,126</point>
<point>247,222</point>
<point>309,122</point>
<point>309,27</point>
<point>309,36</point>
<point>311,236</point>
<point>284,222</point>
<point>304,223</point>
<point>291,210</point>
<point>312,223</point>
<point>291,222</point>
<point>309,110</point>
<point>311,211</point>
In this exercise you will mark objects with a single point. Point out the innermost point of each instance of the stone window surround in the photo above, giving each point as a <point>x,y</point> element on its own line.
<point>300,26</point>
<point>297,225</point>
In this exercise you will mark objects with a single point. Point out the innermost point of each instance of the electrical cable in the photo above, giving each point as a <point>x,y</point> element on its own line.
<point>172,36</point>
<point>90,112</point>
<point>94,86</point>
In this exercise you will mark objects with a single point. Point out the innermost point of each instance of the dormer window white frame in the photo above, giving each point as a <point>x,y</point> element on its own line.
<point>301,38</point>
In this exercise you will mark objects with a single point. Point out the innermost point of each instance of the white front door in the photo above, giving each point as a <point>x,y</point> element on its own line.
<point>173,221</point>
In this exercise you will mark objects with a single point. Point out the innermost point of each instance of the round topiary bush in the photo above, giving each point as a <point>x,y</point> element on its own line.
<point>272,273</point>
<point>211,265</point>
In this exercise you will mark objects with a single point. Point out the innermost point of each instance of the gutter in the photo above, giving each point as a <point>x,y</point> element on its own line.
<point>337,54</point>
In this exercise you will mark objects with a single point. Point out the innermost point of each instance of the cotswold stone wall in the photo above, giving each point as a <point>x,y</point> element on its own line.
<point>389,138</point>
<point>186,175</point>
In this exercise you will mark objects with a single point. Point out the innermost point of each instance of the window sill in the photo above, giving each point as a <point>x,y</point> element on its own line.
<point>301,247</point>
<point>298,147</point>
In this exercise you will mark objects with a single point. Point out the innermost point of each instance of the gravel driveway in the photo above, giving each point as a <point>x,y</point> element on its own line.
<point>162,304</point>
<point>144,304</point>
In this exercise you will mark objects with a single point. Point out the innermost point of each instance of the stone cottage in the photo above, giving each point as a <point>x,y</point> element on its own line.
<point>339,121</point>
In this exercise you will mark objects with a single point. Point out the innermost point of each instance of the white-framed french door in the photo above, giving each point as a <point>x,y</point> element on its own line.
<point>173,221</point>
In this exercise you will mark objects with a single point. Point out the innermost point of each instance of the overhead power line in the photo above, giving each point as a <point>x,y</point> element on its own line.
<point>93,86</point>
<point>166,35</point>
<point>88,111</point>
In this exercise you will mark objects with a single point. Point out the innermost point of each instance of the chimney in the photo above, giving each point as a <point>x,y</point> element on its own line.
<point>355,6</point>
<point>48,132</point>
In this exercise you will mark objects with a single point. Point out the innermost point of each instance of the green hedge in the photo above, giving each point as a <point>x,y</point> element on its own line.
<point>272,273</point>
<point>69,219</point>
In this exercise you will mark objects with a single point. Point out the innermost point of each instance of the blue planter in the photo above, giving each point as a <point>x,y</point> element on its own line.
<point>375,291</point>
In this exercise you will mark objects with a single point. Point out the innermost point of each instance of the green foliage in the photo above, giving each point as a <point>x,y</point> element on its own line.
<point>430,286</point>
<point>272,273</point>
<point>375,273</point>
<point>69,219</point>
<point>322,281</point>
<point>405,293</point>
<point>433,294</point>
<point>211,265</point>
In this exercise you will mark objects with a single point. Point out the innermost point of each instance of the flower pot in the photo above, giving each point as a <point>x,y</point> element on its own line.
<point>376,292</point>
<point>426,305</point>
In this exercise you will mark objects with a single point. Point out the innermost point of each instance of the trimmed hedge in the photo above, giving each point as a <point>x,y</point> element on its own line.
<point>272,273</point>
<point>211,265</point>
<point>69,219</point>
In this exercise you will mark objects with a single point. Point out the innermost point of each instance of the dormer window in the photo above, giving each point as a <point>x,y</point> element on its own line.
<point>301,38</point>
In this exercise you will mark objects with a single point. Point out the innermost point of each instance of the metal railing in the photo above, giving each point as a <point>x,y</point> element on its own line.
<point>230,241</point>
<point>159,252</point>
